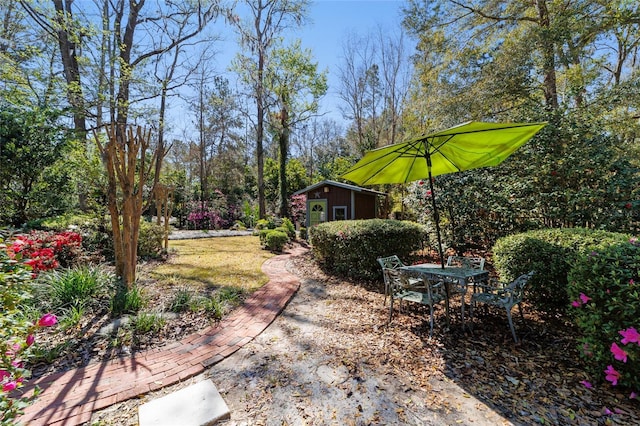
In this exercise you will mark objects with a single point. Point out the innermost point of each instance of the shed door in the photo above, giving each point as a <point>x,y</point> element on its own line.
<point>317,212</point>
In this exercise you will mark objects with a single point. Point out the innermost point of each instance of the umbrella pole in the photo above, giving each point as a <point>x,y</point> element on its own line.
<point>436,216</point>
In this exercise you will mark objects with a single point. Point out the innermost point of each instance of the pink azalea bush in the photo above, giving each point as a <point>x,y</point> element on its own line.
<point>17,333</point>
<point>605,302</point>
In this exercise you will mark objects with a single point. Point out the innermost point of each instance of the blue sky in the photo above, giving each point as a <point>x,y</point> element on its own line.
<point>330,21</point>
<point>333,20</point>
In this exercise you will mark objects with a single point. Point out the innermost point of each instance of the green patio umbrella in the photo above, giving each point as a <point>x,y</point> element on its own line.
<point>464,147</point>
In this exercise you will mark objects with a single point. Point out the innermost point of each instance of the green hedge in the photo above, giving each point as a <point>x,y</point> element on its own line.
<point>351,247</point>
<point>604,287</point>
<point>551,253</point>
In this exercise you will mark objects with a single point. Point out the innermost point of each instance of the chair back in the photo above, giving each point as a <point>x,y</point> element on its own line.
<point>390,262</point>
<point>392,277</point>
<point>516,287</point>
<point>466,262</point>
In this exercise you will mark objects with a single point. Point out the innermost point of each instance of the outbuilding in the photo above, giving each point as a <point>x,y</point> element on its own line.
<point>330,200</point>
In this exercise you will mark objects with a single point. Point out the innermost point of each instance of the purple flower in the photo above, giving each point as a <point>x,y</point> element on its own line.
<point>9,386</point>
<point>612,375</point>
<point>618,353</point>
<point>30,339</point>
<point>630,335</point>
<point>585,299</point>
<point>587,384</point>
<point>47,320</point>
<point>576,304</point>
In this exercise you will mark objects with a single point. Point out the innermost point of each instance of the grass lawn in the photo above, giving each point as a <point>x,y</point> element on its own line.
<point>210,263</point>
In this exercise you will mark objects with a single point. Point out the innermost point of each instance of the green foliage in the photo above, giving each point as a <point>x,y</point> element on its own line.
<point>289,228</point>
<point>181,300</point>
<point>147,322</point>
<point>250,214</point>
<point>72,317</point>
<point>303,233</point>
<point>127,301</point>
<point>551,253</point>
<point>73,288</point>
<point>275,240</point>
<point>150,240</point>
<point>36,178</point>
<point>604,286</point>
<point>351,247</point>
<point>267,223</point>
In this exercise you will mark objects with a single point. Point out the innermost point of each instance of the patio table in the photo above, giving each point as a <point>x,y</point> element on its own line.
<point>461,278</point>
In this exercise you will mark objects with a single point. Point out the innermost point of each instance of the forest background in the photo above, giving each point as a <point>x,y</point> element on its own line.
<point>68,68</point>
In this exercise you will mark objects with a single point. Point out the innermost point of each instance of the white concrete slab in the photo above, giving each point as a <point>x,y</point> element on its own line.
<point>196,405</point>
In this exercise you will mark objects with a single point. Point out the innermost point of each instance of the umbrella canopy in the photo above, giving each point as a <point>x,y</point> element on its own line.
<point>464,147</point>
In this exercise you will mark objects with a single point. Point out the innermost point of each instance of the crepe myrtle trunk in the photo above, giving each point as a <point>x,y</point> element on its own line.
<point>124,155</point>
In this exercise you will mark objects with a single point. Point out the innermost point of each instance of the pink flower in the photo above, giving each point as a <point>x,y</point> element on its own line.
<point>9,386</point>
<point>631,282</point>
<point>633,395</point>
<point>612,375</point>
<point>630,335</point>
<point>30,339</point>
<point>4,374</point>
<point>585,299</point>
<point>47,320</point>
<point>607,412</point>
<point>618,353</point>
<point>576,304</point>
<point>587,384</point>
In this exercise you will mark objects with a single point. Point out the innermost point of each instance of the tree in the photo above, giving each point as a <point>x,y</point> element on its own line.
<point>297,86</point>
<point>268,19</point>
<point>34,173</point>
<point>128,170</point>
<point>374,80</point>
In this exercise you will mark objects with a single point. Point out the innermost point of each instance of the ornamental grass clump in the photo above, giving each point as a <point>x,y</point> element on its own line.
<point>604,287</point>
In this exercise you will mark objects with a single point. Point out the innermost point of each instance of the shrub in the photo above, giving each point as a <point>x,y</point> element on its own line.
<point>47,250</point>
<point>268,223</point>
<point>303,233</point>
<point>351,247</point>
<point>551,253</point>
<point>16,334</point>
<point>150,240</point>
<point>276,240</point>
<point>604,287</point>
<point>289,227</point>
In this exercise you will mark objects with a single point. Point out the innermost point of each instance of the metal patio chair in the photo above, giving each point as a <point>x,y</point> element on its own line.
<point>411,286</point>
<point>504,296</point>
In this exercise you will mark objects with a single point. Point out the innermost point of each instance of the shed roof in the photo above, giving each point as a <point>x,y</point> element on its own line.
<point>339,185</point>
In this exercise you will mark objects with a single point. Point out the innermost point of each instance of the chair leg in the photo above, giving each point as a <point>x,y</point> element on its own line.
<point>390,308</point>
<point>513,330</point>
<point>521,315</point>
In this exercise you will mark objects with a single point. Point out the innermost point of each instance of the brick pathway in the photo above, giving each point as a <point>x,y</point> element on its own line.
<point>70,397</point>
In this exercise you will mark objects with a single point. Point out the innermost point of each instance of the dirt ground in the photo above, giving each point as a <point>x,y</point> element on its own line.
<point>327,361</point>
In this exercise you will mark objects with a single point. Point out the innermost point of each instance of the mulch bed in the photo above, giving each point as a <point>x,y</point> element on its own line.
<point>536,381</point>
